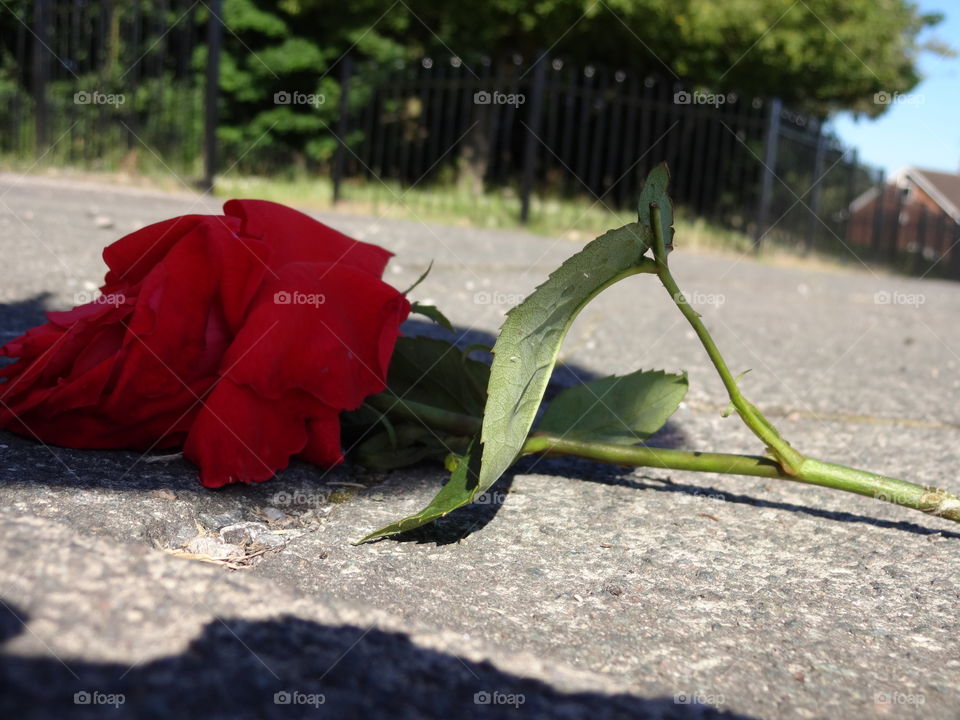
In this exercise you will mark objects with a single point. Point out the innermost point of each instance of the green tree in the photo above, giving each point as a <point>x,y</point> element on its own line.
<point>818,55</point>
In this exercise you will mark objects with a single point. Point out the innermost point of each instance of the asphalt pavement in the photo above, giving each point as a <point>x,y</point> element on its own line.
<point>128,590</point>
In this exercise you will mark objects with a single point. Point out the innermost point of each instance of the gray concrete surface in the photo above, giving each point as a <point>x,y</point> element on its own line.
<point>587,590</point>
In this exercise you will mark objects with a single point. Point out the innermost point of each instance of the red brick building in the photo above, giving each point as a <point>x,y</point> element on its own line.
<point>916,214</point>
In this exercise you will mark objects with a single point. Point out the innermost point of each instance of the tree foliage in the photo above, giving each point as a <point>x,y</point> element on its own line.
<point>816,55</point>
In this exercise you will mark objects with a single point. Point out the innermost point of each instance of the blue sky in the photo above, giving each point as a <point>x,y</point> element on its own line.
<point>923,131</point>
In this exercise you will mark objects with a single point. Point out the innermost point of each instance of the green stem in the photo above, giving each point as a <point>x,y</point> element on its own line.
<point>434,417</point>
<point>933,501</point>
<point>813,472</point>
<point>754,419</point>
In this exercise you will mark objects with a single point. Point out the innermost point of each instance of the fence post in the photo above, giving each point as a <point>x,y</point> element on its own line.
<point>878,219</point>
<point>40,68</point>
<point>212,94</point>
<point>894,250</point>
<point>533,136</point>
<point>953,252</point>
<point>920,244</point>
<point>851,193</point>
<point>343,127</point>
<point>815,200</point>
<point>770,141</point>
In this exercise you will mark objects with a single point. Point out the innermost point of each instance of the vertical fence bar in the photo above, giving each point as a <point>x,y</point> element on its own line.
<point>343,125</point>
<point>601,110</point>
<point>851,193</point>
<point>893,250</point>
<point>952,250</point>
<point>40,69</point>
<point>920,244</point>
<point>878,218</point>
<point>212,94</point>
<point>533,136</point>
<point>628,150</point>
<point>615,140</point>
<point>770,142</point>
<point>422,133</point>
<point>583,144</point>
<point>552,96</point>
<point>817,196</point>
<point>700,121</point>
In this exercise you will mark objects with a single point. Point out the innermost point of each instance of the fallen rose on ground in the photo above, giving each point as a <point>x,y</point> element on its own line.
<point>240,337</point>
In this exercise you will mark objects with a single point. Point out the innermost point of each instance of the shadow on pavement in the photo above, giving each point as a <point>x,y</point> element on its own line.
<point>18,317</point>
<point>290,667</point>
<point>659,485</point>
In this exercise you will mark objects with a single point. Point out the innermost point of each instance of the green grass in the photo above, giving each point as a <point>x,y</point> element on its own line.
<point>577,219</point>
<point>574,219</point>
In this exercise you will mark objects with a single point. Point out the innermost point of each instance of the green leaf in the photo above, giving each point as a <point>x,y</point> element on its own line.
<point>423,370</point>
<point>655,191</point>
<point>411,443</point>
<point>526,350</point>
<point>523,360</point>
<point>619,410</point>
<point>432,312</point>
<point>459,491</point>
<point>436,373</point>
<point>423,276</point>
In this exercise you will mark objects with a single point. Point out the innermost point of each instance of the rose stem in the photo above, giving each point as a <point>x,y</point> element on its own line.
<point>814,472</point>
<point>789,458</point>
<point>792,464</point>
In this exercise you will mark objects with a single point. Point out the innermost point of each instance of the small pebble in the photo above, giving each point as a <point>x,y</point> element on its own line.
<point>213,522</point>
<point>242,533</point>
<point>213,548</point>
<point>269,540</point>
<point>273,515</point>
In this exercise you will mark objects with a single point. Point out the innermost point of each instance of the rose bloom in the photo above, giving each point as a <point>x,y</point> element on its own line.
<point>240,337</point>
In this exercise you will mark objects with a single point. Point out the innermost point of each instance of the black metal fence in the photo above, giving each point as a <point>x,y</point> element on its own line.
<point>101,84</point>
<point>557,129</point>
<point>97,84</point>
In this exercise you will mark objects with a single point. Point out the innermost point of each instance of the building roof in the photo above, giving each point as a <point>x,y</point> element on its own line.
<point>942,187</point>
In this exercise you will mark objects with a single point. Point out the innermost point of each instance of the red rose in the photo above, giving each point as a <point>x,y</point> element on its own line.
<point>240,337</point>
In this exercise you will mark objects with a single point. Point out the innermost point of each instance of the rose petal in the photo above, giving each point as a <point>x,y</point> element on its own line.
<point>296,237</point>
<point>240,436</point>
<point>325,329</point>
